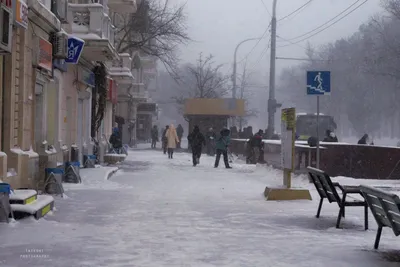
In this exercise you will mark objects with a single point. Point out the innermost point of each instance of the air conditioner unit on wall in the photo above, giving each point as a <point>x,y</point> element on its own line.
<point>6,20</point>
<point>60,9</point>
<point>60,45</point>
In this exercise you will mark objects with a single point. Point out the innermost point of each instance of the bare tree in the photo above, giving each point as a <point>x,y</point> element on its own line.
<point>202,80</point>
<point>392,7</point>
<point>156,29</point>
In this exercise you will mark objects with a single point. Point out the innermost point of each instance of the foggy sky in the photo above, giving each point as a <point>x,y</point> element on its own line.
<point>217,26</point>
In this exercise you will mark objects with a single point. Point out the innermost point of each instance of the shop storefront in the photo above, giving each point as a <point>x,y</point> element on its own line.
<point>84,109</point>
<point>107,124</point>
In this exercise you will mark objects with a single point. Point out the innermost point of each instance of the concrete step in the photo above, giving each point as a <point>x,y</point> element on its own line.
<point>38,208</point>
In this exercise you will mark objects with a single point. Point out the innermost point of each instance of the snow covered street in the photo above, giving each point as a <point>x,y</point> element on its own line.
<point>160,212</point>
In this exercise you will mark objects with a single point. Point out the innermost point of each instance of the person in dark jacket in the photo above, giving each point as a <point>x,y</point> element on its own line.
<point>330,137</point>
<point>196,141</point>
<point>221,145</point>
<point>115,140</point>
<point>164,139</point>
<point>210,142</point>
<point>179,132</point>
<point>312,141</point>
<point>255,152</point>
<point>154,136</point>
<point>364,140</point>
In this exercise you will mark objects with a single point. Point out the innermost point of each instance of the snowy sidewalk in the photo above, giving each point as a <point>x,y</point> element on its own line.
<point>160,212</point>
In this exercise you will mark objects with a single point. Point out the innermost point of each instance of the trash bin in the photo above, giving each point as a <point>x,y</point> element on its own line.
<point>72,172</point>
<point>74,153</point>
<point>53,184</point>
<point>5,208</point>
<point>89,161</point>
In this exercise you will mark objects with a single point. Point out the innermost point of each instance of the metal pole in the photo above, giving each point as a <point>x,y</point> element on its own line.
<point>318,155</point>
<point>272,105</point>
<point>235,64</point>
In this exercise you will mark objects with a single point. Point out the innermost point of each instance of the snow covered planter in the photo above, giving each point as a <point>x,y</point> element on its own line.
<point>114,158</point>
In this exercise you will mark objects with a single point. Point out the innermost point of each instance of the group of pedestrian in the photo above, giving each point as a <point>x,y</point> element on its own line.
<point>170,140</point>
<point>197,140</point>
<point>330,137</point>
<point>166,142</point>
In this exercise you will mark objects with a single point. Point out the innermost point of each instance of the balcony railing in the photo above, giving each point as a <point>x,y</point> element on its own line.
<point>104,3</point>
<point>138,91</point>
<point>89,21</point>
<point>120,69</point>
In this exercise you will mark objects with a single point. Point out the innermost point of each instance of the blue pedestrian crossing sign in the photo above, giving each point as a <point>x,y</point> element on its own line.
<point>75,47</point>
<point>318,82</point>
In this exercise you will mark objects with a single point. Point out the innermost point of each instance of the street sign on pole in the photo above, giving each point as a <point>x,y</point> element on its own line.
<point>318,83</point>
<point>75,47</point>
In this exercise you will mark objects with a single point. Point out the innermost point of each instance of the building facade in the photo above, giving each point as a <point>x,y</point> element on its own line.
<point>49,102</point>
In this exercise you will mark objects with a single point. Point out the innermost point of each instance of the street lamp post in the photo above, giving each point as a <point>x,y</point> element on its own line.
<point>272,104</point>
<point>235,63</point>
<point>234,89</point>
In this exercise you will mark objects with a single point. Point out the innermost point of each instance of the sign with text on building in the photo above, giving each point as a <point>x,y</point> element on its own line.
<point>21,14</point>
<point>112,91</point>
<point>45,55</point>
<point>75,48</point>
<point>6,3</point>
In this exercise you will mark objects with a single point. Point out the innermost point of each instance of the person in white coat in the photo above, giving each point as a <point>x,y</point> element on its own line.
<point>172,140</point>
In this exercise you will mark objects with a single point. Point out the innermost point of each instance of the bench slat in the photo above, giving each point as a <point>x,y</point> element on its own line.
<point>384,206</point>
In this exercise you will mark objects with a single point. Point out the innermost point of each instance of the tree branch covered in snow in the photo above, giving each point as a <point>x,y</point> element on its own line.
<point>156,29</point>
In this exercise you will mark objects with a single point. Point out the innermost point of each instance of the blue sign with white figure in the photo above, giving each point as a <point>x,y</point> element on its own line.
<point>318,82</point>
<point>75,47</point>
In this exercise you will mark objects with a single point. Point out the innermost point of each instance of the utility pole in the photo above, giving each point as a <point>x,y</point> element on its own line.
<point>272,104</point>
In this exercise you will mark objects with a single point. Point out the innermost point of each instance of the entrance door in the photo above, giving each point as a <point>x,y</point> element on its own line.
<point>39,118</point>
<point>52,112</point>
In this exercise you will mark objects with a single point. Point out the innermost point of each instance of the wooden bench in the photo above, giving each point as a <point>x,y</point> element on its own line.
<point>327,190</point>
<point>385,208</point>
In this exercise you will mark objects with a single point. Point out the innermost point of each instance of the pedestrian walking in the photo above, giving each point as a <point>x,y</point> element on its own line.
<point>164,139</point>
<point>115,140</point>
<point>154,136</point>
<point>172,140</point>
<point>179,131</point>
<point>222,144</point>
<point>196,141</point>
